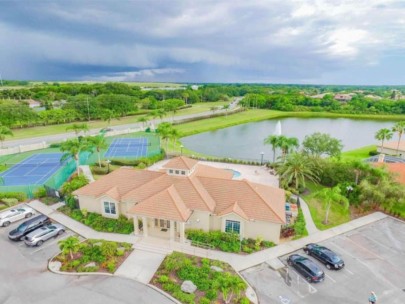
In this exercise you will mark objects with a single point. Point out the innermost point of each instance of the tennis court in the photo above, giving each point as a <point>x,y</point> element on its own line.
<point>124,147</point>
<point>34,170</point>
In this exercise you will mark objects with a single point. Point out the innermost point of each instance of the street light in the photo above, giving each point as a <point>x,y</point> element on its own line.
<point>181,149</point>
<point>261,159</point>
<point>108,165</point>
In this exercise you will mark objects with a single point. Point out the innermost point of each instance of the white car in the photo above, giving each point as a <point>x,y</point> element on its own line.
<point>13,215</point>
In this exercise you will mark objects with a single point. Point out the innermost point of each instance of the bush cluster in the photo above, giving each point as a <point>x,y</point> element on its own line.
<point>100,223</point>
<point>228,242</point>
<point>20,196</point>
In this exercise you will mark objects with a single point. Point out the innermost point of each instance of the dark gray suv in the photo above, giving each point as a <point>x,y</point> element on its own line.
<point>21,231</point>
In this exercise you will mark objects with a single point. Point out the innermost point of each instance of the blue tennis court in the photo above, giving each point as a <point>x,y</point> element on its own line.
<point>123,147</point>
<point>34,170</point>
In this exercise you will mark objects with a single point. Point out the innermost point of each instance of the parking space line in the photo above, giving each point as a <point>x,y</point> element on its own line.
<point>330,278</point>
<point>344,268</point>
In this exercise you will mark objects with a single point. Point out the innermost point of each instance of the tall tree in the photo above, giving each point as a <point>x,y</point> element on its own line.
<point>383,134</point>
<point>319,144</point>
<point>4,131</point>
<point>399,128</point>
<point>332,196</point>
<point>296,169</point>
<point>274,141</point>
<point>74,147</point>
<point>287,144</point>
<point>99,143</point>
<point>165,129</point>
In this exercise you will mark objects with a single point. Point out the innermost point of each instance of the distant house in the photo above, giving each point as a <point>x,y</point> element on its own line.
<point>187,194</point>
<point>397,169</point>
<point>319,96</point>
<point>33,103</point>
<point>343,97</point>
<point>390,148</point>
<point>374,97</point>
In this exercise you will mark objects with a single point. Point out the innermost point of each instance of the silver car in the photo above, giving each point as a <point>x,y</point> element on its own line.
<point>42,234</point>
<point>16,214</point>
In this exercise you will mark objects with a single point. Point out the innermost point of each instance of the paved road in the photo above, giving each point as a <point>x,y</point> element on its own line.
<point>24,278</point>
<point>60,137</point>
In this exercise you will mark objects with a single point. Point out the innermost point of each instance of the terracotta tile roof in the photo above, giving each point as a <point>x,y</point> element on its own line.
<point>181,162</point>
<point>208,189</point>
<point>259,202</point>
<point>398,169</point>
<point>165,205</point>
<point>125,179</point>
<point>234,209</point>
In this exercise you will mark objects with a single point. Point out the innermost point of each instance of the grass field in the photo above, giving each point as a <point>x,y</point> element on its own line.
<point>358,154</point>
<point>337,215</point>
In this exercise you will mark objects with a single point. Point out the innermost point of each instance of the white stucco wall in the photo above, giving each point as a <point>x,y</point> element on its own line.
<point>199,220</point>
<point>97,205</point>
<point>267,231</point>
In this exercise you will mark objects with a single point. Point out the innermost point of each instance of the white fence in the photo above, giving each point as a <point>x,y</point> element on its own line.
<point>24,148</point>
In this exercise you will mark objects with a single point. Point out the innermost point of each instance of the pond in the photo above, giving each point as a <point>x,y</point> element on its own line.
<point>246,141</point>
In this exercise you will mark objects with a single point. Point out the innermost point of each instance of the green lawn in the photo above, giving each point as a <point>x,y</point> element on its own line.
<point>358,154</point>
<point>337,215</point>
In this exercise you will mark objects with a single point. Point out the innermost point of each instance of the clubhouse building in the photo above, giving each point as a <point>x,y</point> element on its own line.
<point>186,194</point>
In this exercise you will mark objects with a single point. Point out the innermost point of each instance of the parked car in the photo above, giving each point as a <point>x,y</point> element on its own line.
<point>42,234</point>
<point>13,215</point>
<point>306,267</point>
<point>21,231</point>
<point>325,256</point>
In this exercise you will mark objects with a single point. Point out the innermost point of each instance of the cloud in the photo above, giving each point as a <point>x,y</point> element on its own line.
<point>291,41</point>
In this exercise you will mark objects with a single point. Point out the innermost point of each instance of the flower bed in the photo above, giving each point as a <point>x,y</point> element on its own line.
<point>228,242</point>
<point>216,281</point>
<point>91,255</point>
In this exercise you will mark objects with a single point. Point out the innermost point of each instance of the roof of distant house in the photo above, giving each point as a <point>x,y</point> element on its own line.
<point>398,169</point>
<point>175,197</point>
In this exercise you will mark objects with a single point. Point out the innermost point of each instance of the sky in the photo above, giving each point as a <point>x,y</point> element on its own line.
<point>358,42</point>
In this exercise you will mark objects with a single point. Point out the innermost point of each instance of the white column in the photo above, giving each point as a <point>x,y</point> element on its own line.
<point>136,225</point>
<point>172,231</point>
<point>182,232</point>
<point>145,226</point>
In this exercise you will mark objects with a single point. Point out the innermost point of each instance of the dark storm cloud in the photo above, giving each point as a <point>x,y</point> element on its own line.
<point>203,41</point>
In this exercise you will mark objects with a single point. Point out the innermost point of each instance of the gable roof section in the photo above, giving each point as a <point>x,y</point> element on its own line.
<point>124,179</point>
<point>256,202</point>
<point>167,204</point>
<point>207,171</point>
<point>235,208</point>
<point>181,162</point>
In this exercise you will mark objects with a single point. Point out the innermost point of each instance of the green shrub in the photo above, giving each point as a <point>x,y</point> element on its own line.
<point>184,297</point>
<point>40,192</point>
<point>204,301</point>
<point>111,266</point>
<point>211,294</point>
<point>170,287</point>
<point>299,225</point>
<point>163,279</point>
<point>247,249</point>
<point>244,300</point>
<point>10,201</point>
<point>268,244</point>
<point>99,171</point>
<point>20,196</point>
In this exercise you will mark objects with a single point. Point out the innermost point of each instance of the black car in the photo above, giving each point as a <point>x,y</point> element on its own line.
<point>307,268</point>
<point>21,231</point>
<point>325,255</point>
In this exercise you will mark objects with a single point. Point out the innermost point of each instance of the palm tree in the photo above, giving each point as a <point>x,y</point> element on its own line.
<point>296,169</point>
<point>287,144</point>
<point>4,131</point>
<point>144,120</point>
<point>99,143</point>
<point>69,245</point>
<point>77,128</point>
<point>329,196</point>
<point>165,129</point>
<point>73,148</point>
<point>383,134</point>
<point>174,135</point>
<point>399,127</point>
<point>273,140</point>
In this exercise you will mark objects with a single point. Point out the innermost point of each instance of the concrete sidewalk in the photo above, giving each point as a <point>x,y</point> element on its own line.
<point>239,262</point>
<point>309,223</point>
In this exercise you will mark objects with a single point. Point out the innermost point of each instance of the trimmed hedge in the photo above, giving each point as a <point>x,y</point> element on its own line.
<point>20,196</point>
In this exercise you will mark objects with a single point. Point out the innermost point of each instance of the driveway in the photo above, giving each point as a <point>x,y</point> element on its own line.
<point>25,279</point>
<point>375,260</point>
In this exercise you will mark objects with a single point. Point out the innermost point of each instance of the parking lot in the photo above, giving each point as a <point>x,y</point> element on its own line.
<point>25,278</point>
<point>375,261</point>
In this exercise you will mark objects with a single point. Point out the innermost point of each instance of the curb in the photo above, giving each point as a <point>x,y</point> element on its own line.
<point>164,293</point>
